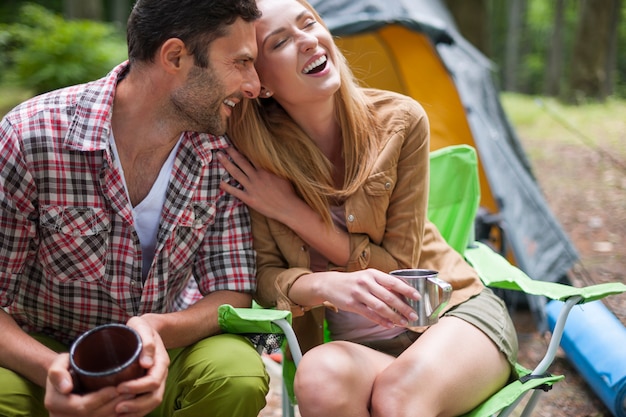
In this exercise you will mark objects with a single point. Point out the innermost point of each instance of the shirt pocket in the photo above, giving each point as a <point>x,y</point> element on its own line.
<point>198,216</point>
<point>379,184</point>
<point>378,189</point>
<point>74,242</point>
<point>189,235</point>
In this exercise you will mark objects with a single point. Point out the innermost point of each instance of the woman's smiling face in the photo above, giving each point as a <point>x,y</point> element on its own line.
<point>296,60</point>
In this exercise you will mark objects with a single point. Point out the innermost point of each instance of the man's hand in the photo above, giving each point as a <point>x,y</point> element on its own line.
<point>61,402</point>
<point>144,394</point>
<point>134,398</point>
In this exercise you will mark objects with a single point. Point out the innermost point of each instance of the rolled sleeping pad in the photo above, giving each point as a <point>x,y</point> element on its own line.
<point>595,342</point>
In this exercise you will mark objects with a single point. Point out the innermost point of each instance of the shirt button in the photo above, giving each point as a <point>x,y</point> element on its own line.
<point>387,185</point>
<point>303,248</point>
<point>133,283</point>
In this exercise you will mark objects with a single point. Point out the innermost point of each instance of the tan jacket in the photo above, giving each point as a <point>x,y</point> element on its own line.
<point>385,219</point>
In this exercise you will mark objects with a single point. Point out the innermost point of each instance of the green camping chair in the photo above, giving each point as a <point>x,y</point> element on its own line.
<point>453,202</point>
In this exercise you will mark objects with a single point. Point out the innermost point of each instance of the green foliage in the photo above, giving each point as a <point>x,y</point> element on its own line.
<point>536,37</point>
<point>9,9</point>
<point>11,96</point>
<point>539,29</point>
<point>42,51</point>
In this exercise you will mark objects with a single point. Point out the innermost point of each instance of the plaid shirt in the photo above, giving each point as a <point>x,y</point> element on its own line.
<point>70,258</point>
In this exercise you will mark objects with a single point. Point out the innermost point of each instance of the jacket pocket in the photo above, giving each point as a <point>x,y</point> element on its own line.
<point>379,184</point>
<point>378,189</point>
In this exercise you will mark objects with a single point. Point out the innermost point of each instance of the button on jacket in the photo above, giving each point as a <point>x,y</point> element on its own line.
<point>70,257</point>
<point>385,220</point>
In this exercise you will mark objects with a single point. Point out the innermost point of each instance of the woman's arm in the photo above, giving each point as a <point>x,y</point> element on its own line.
<point>275,198</point>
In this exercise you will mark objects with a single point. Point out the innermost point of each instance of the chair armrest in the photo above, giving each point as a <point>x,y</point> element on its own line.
<point>496,271</point>
<point>250,320</point>
<point>259,321</point>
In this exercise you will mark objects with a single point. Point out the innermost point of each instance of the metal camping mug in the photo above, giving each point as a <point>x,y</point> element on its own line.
<point>104,356</point>
<point>435,294</point>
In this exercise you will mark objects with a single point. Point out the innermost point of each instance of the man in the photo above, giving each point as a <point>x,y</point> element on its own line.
<point>110,202</point>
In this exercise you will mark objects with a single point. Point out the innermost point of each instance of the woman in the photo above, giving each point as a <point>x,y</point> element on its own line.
<point>338,185</point>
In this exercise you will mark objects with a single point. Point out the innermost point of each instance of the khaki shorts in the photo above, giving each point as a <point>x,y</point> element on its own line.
<point>486,311</point>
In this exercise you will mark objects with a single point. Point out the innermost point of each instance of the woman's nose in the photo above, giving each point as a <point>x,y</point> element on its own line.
<point>307,41</point>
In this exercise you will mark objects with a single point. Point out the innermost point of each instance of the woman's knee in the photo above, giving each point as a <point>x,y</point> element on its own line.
<point>324,366</point>
<point>391,391</point>
<point>342,373</point>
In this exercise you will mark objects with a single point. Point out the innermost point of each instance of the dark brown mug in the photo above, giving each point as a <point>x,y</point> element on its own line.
<point>105,356</point>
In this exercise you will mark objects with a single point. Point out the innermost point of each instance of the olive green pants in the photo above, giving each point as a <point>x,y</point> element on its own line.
<point>220,376</point>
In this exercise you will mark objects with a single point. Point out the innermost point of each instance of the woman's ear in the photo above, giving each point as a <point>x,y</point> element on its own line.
<point>265,93</point>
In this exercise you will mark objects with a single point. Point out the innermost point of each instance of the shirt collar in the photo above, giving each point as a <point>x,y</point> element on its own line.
<point>91,124</point>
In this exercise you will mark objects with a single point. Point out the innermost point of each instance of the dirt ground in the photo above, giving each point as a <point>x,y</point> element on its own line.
<point>586,189</point>
<point>585,186</point>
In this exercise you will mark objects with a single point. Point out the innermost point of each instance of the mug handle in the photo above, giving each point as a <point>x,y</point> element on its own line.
<point>446,293</point>
<point>78,389</point>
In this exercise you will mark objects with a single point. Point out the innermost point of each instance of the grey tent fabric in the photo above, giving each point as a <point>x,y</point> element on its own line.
<point>540,246</point>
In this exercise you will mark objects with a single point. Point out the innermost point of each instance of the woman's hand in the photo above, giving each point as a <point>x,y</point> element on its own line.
<point>270,195</point>
<point>371,293</point>
<point>275,198</point>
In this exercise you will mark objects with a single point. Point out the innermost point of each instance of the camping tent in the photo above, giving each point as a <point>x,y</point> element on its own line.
<point>413,47</point>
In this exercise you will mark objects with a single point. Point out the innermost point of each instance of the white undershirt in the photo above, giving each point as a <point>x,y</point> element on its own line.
<point>147,214</point>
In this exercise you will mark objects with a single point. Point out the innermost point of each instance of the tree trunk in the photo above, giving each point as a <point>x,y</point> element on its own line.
<point>83,9</point>
<point>612,62</point>
<point>471,17</point>
<point>591,51</point>
<point>120,11</point>
<point>554,68</point>
<point>512,53</point>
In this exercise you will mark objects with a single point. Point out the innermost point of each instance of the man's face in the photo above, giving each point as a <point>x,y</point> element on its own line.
<point>206,99</point>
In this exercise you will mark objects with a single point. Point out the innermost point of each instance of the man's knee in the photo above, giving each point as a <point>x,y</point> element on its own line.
<point>221,374</point>
<point>19,397</point>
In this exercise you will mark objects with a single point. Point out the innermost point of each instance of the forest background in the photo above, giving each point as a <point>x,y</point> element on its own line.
<point>567,49</point>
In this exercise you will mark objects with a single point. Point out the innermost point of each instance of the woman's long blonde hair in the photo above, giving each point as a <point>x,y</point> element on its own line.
<point>263,131</point>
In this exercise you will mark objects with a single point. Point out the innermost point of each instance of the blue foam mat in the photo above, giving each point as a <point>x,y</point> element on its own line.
<point>595,342</point>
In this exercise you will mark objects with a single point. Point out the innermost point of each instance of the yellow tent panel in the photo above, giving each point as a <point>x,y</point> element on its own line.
<point>398,59</point>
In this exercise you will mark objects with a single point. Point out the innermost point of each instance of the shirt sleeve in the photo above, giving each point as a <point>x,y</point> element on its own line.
<point>274,277</point>
<point>18,213</point>
<point>227,260</point>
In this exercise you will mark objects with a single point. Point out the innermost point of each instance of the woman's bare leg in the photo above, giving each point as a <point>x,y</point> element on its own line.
<point>449,370</point>
<point>336,379</point>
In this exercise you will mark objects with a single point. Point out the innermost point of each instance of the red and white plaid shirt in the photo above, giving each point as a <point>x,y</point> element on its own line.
<point>70,258</point>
